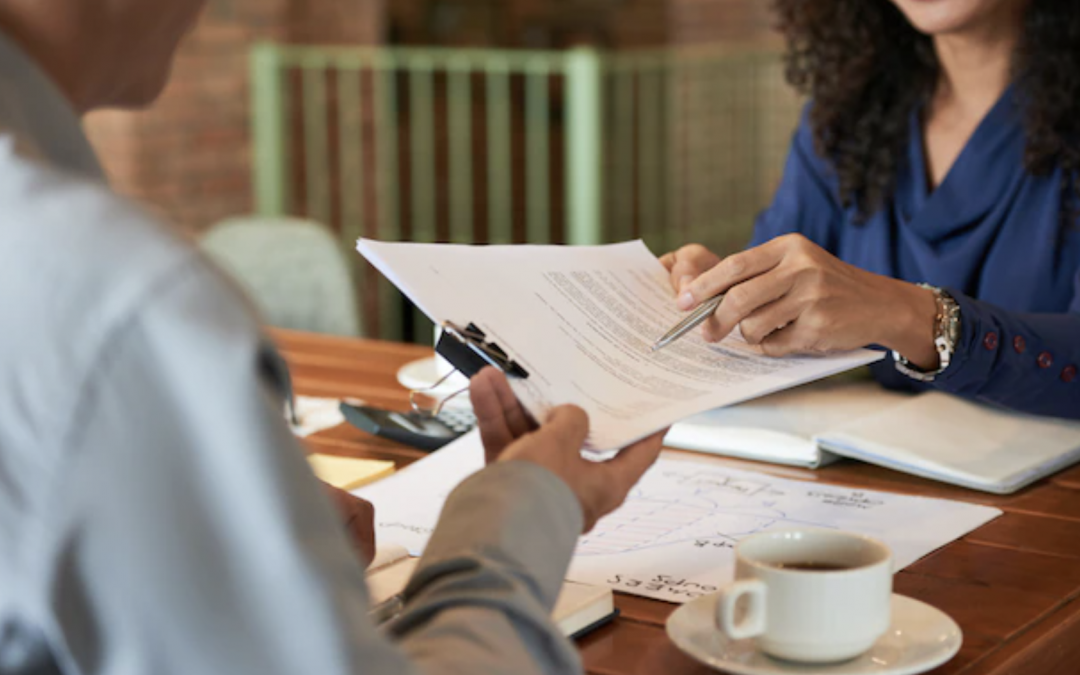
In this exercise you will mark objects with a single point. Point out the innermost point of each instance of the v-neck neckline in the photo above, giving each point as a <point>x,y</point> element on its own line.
<point>988,162</point>
<point>994,115</point>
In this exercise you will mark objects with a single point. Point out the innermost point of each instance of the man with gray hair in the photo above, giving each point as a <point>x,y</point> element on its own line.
<point>156,514</point>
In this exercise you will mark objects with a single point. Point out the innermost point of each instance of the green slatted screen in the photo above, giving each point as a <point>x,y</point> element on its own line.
<point>494,146</point>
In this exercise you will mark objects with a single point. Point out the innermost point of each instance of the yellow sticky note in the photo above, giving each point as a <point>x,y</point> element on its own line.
<point>348,473</point>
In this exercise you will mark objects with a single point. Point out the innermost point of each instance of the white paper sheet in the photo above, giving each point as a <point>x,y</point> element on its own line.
<point>315,415</point>
<point>581,320</point>
<point>408,503</point>
<point>672,540</point>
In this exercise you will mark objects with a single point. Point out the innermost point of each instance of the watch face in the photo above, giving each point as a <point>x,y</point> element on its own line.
<point>952,320</point>
<point>946,336</point>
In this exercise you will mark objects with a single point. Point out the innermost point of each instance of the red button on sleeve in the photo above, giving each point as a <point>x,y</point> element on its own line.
<point>1068,373</point>
<point>1045,360</point>
<point>990,341</point>
<point>1019,344</point>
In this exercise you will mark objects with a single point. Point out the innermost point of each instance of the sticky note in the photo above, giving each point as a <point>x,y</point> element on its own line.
<point>348,473</point>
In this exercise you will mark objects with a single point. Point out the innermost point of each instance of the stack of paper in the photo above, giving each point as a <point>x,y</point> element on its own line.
<point>581,321</point>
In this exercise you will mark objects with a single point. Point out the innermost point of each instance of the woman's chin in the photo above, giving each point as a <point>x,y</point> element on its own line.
<point>944,17</point>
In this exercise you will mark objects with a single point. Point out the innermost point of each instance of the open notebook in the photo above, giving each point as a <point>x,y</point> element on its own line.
<point>933,435</point>
<point>579,609</point>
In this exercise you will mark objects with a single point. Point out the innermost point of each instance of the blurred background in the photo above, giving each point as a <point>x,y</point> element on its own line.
<point>293,127</point>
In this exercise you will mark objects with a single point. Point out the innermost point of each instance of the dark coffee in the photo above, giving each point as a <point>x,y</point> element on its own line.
<point>813,566</point>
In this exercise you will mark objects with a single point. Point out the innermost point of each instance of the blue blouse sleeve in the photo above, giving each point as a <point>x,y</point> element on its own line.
<point>1023,361</point>
<point>1026,362</point>
<point>806,199</point>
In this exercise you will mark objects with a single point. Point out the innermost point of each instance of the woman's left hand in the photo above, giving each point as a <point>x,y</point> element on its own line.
<point>791,296</point>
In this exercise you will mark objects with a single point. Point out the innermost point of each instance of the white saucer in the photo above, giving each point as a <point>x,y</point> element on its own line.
<point>421,374</point>
<point>920,638</point>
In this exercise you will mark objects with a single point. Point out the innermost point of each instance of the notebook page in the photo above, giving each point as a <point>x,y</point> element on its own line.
<point>781,427</point>
<point>947,438</point>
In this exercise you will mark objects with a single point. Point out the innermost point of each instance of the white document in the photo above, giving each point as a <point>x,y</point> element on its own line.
<point>408,503</point>
<point>315,415</point>
<point>581,321</point>
<point>672,540</point>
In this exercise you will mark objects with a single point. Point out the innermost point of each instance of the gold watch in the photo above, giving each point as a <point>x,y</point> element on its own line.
<point>946,337</point>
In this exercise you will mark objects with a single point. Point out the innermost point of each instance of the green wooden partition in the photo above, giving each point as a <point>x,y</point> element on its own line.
<point>491,146</point>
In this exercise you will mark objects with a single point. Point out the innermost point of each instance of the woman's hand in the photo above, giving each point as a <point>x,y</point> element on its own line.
<point>792,297</point>
<point>688,263</point>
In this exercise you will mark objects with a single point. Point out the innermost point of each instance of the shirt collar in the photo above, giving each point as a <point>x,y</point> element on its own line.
<point>41,120</point>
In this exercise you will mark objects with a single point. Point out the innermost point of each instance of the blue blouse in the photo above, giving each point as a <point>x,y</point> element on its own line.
<point>991,234</point>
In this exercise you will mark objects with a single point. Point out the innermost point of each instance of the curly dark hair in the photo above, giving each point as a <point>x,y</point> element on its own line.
<point>866,68</point>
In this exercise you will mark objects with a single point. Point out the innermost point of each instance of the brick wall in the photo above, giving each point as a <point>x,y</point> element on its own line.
<point>705,21</point>
<point>189,157</point>
<point>536,24</point>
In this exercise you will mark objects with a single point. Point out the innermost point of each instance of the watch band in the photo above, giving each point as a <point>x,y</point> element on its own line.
<point>946,337</point>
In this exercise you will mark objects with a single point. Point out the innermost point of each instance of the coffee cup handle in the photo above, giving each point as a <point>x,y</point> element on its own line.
<point>753,624</point>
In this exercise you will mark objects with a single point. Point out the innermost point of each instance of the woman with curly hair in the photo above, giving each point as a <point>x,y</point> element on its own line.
<point>930,203</point>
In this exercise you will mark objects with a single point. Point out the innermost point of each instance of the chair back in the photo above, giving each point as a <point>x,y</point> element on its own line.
<point>294,270</point>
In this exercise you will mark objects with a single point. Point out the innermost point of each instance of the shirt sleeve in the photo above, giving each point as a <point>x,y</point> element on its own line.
<point>186,534</point>
<point>1026,362</point>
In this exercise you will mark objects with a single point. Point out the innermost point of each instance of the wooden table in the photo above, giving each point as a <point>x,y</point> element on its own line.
<point>1012,585</point>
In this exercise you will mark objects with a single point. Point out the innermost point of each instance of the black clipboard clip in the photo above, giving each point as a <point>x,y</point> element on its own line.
<point>469,351</point>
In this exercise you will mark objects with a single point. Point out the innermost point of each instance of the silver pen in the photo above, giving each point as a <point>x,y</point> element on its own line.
<point>692,321</point>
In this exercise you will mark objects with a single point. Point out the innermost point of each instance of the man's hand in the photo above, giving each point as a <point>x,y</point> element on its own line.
<point>510,435</point>
<point>359,518</point>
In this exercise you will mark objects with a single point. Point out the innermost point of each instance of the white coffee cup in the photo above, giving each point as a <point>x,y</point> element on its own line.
<point>815,596</point>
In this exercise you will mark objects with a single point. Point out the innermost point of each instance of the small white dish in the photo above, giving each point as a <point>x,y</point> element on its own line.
<point>920,638</point>
<point>423,373</point>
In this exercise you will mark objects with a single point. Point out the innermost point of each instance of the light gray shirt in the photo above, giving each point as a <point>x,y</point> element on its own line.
<point>156,515</point>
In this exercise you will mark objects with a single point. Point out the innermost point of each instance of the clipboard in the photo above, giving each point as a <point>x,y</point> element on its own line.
<point>469,351</point>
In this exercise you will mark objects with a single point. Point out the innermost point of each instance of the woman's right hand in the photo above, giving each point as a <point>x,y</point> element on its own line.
<point>687,264</point>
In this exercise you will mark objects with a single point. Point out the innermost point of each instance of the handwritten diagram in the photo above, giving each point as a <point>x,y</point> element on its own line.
<point>674,537</point>
<point>706,509</point>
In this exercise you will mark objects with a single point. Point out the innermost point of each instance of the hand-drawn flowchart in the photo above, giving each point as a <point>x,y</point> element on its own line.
<point>707,510</point>
<point>673,538</point>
